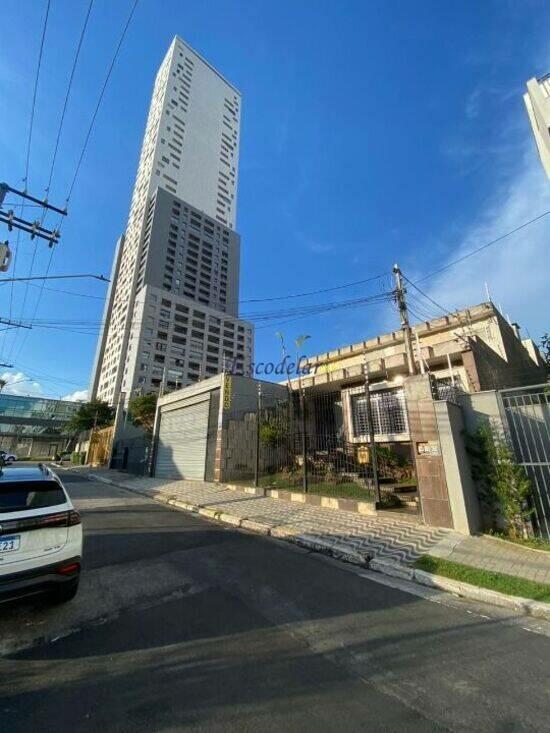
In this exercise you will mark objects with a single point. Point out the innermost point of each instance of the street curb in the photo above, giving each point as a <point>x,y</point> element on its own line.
<point>525,606</point>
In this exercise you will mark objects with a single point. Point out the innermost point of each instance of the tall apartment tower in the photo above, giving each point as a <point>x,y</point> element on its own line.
<point>537,102</point>
<point>171,316</point>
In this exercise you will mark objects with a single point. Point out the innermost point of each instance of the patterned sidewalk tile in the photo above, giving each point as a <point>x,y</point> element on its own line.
<point>380,536</point>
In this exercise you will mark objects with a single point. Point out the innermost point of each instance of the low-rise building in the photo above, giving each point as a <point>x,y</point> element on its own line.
<point>34,427</point>
<point>316,436</point>
<point>473,350</point>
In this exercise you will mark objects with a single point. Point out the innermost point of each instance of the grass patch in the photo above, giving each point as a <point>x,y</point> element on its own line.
<point>509,584</point>
<point>535,543</point>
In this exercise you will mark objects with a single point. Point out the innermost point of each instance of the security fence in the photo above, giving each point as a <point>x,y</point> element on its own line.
<point>528,416</point>
<point>319,442</point>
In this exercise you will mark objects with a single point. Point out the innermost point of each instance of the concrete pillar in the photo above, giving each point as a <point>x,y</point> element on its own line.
<point>426,448</point>
<point>463,498</point>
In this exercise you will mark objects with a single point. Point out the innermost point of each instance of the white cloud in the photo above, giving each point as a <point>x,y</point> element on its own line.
<point>517,268</point>
<point>80,395</point>
<point>18,383</point>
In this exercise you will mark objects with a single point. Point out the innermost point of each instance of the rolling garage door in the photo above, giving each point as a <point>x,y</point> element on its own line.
<point>181,449</point>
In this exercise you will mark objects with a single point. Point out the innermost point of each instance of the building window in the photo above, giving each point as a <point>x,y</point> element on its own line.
<point>388,413</point>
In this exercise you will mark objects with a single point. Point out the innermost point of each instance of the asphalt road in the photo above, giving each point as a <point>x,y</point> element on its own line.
<point>182,624</point>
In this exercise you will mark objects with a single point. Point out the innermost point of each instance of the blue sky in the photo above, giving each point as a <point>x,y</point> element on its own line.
<point>372,132</point>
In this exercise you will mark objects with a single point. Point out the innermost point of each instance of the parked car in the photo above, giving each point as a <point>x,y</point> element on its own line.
<point>7,457</point>
<point>40,535</point>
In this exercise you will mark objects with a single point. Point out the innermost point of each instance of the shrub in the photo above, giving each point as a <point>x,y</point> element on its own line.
<point>502,484</point>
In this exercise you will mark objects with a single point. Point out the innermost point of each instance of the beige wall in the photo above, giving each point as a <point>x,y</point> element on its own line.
<point>463,499</point>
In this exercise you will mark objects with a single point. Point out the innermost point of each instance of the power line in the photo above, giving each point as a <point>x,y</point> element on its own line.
<point>83,151</point>
<point>68,292</point>
<point>25,337</point>
<point>28,155</point>
<point>313,292</point>
<point>484,246</point>
<point>47,377</point>
<point>33,107</point>
<point>256,317</point>
<point>55,277</point>
<point>104,87</point>
<point>66,102</point>
<point>438,305</point>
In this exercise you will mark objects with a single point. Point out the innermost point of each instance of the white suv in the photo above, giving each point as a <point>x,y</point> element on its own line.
<point>40,535</point>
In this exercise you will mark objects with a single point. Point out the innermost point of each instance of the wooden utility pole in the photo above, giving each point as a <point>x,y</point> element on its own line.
<point>404,313</point>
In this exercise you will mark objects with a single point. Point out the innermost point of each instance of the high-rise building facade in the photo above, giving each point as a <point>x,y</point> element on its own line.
<point>171,315</point>
<point>537,102</point>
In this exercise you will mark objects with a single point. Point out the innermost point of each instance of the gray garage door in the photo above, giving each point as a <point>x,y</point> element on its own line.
<point>181,449</point>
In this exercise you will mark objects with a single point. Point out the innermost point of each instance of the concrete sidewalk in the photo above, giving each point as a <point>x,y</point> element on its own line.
<point>353,536</point>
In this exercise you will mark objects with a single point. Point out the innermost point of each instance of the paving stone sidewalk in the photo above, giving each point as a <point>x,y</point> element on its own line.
<point>381,537</point>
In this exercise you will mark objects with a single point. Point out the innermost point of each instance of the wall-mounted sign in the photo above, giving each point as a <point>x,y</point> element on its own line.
<point>227,391</point>
<point>428,448</point>
<point>363,454</point>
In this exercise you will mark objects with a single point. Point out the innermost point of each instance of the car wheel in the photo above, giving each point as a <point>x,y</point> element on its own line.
<point>64,595</point>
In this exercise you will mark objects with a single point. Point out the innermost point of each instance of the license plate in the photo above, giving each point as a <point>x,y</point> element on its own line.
<point>10,543</point>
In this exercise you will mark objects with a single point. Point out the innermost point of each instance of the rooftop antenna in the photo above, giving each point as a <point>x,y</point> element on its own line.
<point>487,292</point>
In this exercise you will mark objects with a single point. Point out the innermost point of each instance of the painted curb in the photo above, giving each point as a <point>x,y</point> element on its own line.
<point>394,569</point>
<point>356,506</point>
<point>525,606</point>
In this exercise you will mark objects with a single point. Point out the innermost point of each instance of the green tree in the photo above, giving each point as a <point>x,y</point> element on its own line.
<point>94,414</point>
<point>142,411</point>
<point>502,484</point>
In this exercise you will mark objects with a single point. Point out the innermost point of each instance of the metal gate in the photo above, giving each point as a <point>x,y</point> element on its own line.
<point>182,441</point>
<point>528,415</point>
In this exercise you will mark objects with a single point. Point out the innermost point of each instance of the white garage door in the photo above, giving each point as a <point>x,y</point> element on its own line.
<point>181,449</point>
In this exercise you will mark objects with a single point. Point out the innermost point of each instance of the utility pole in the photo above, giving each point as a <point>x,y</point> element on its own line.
<point>372,441</point>
<point>404,313</point>
<point>34,228</point>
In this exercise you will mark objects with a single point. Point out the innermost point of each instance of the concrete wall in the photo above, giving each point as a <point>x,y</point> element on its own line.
<point>463,499</point>
<point>502,360</point>
<point>481,407</point>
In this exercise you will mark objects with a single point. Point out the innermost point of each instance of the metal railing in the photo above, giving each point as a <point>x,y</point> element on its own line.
<point>527,412</point>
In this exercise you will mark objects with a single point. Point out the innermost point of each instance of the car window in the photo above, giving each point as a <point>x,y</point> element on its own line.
<point>21,495</point>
